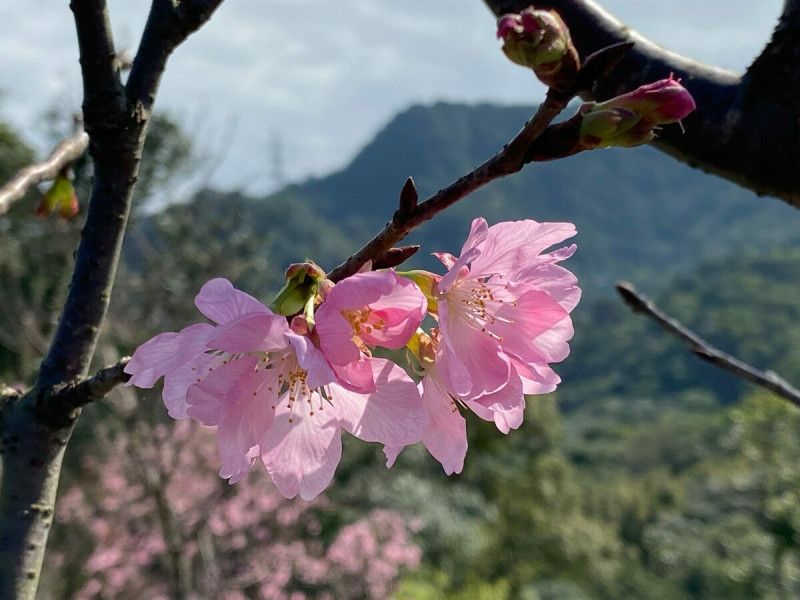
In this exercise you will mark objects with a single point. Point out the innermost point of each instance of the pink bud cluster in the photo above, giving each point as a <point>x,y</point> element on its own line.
<point>282,390</point>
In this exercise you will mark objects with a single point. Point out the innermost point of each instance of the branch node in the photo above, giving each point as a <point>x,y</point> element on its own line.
<point>408,197</point>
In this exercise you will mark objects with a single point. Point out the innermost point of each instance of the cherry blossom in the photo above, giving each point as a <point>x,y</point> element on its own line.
<point>285,404</point>
<point>180,357</point>
<point>369,309</point>
<point>503,310</point>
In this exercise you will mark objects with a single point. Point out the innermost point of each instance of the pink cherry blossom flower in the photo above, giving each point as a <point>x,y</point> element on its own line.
<point>369,309</point>
<point>661,102</point>
<point>180,357</point>
<point>283,402</point>
<point>500,315</point>
<point>503,309</point>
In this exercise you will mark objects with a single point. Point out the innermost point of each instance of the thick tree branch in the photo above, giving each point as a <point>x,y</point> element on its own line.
<point>168,25</point>
<point>116,120</point>
<point>702,349</point>
<point>745,129</point>
<point>63,155</point>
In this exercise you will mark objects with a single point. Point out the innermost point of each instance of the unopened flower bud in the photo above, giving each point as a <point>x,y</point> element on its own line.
<point>60,196</point>
<point>422,346</point>
<point>631,119</point>
<point>661,102</point>
<point>300,291</point>
<point>614,127</point>
<point>425,281</point>
<point>539,39</point>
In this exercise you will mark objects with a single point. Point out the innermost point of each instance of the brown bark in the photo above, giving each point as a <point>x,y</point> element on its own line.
<point>35,427</point>
<point>745,128</point>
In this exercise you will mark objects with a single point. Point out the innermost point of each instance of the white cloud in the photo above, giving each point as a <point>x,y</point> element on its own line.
<point>328,75</point>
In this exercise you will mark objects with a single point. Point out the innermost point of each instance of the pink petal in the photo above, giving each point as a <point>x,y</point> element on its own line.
<point>246,419</point>
<point>504,421</point>
<point>445,437</point>
<point>356,376</point>
<point>241,400</point>
<point>506,399</point>
<point>335,335</point>
<point>469,361</point>
<point>394,301</point>
<point>392,415</point>
<point>553,343</point>
<point>264,332</point>
<point>302,456</point>
<point>459,269</point>
<point>559,254</point>
<point>208,399</point>
<point>520,324</point>
<point>221,302</point>
<point>512,244</point>
<point>177,382</point>
<point>478,231</point>
<point>391,453</point>
<point>360,289</point>
<point>447,259</point>
<point>401,311</point>
<point>557,281</point>
<point>165,353</point>
<point>469,252</point>
<point>537,378</point>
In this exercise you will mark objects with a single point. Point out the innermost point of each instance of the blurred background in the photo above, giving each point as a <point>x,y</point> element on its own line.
<point>285,132</point>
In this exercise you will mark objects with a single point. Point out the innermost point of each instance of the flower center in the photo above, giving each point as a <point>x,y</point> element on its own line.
<point>364,321</point>
<point>478,304</point>
<point>294,387</point>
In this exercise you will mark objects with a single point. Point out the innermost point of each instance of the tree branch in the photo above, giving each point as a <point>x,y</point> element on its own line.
<point>97,387</point>
<point>702,349</point>
<point>63,155</point>
<point>116,121</point>
<point>168,25</point>
<point>745,129</point>
<point>507,161</point>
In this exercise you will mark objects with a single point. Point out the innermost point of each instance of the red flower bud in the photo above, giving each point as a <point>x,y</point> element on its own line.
<point>661,102</point>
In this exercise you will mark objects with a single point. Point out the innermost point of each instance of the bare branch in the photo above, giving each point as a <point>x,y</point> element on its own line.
<point>63,155</point>
<point>745,129</point>
<point>702,349</point>
<point>116,121</point>
<point>509,160</point>
<point>94,388</point>
<point>168,25</point>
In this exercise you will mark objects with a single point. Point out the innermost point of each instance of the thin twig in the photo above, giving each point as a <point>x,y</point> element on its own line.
<point>702,349</point>
<point>94,388</point>
<point>506,162</point>
<point>63,155</point>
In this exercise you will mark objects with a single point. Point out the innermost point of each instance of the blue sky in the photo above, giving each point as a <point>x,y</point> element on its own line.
<point>324,77</point>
